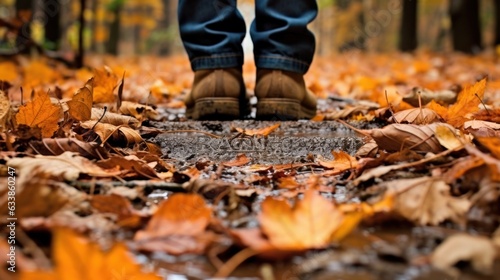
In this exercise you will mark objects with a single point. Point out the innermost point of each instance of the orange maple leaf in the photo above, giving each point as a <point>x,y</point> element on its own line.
<point>303,226</point>
<point>105,81</point>
<point>40,113</point>
<point>341,161</point>
<point>468,101</point>
<point>181,214</point>
<point>77,258</point>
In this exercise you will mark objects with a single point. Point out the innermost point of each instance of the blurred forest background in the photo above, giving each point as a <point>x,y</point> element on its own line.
<point>134,27</point>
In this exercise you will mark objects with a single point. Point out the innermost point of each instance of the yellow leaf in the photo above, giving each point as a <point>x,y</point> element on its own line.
<point>40,113</point>
<point>80,106</point>
<point>77,258</point>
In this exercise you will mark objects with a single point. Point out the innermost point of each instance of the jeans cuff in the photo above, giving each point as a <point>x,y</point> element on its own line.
<point>225,60</point>
<point>282,63</point>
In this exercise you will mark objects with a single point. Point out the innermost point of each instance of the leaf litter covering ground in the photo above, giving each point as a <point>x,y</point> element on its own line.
<point>93,193</point>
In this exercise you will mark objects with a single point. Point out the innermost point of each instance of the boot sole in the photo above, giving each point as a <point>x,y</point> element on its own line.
<point>214,108</point>
<point>283,109</point>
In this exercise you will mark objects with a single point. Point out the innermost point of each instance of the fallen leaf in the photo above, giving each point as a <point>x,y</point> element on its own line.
<point>57,146</point>
<point>467,103</point>
<point>77,258</point>
<point>479,251</point>
<point>427,201</point>
<point>426,96</point>
<point>40,113</point>
<point>342,161</point>
<point>67,166</point>
<point>241,159</point>
<point>118,134</point>
<point>4,110</point>
<point>9,71</point>
<point>477,124</point>
<point>38,73</point>
<point>301,227</point>
<point>259,131</point>
<point>177,244</point>
<point>181,214</point>
<point>118,205</point>
<point>492,144</point>
<point>139,111</point>
<point>446,135</point>
<point>80,106</point>
<point>395,137</point>
<point>416,116</point>
<point>130,164</point>
<point>105,81</point>
<point>113,118</point>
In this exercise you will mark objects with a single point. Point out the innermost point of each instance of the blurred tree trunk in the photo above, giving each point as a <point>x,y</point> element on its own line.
<point>408,30</point>
<point>497,22</point>
<point>114,30</point>
<point>52,11</point>
<point>351,24</point>
<point>165,24</point>
<point>24,12</point>
<point>93,27</point>
<point>465,27</point>
<point>81,51</point>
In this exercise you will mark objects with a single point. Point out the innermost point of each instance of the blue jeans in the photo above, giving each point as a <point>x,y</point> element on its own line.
<point>212,32</point>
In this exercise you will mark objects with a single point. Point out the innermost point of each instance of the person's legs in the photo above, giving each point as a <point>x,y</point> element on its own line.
<point>283,50</point>
<point>212,32</point>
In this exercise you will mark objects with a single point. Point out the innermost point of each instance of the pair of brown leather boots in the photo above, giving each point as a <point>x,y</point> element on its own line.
<point>221,94</point>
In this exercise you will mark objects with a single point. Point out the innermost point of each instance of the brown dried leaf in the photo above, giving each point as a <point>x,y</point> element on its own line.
<point>118,205</point>
<point>57,146</point>
<point>342,161</point>
<point>395,137</point>
<point>139,111</point>
<point>134,165</point>
<point>4,109</point>
<point>427,201</point>
<point>416,116</point>
<point>426,95</point>
<point>80,106</point>
<point>479,251</point>
<point>119,134</point>
<point>241,159</point>
<point>114,118</point>
<point>477,124</point>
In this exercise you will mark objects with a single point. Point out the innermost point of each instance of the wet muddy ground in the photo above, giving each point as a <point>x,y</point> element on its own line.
<point>393,251</point>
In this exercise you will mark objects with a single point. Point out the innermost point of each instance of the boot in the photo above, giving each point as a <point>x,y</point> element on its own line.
<point>217,94</point>
<point>283,95</point>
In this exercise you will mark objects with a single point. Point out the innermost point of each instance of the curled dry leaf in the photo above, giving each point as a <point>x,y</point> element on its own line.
<point>259,131</point>
<point>427,201</point>
<point>67,166</point>
<point>369,149</point>
<point>416,116</point>
<point>445,97</point>
<point>132,165</point>
<point>77,258</point>
<point>118,134</point>
<point>113,118</point>
<point>138,111</point>
<point>395,137</point>
<point>479,251</point>
<point>40,113</point>
<point>57,146</point>
<point>80,106</point>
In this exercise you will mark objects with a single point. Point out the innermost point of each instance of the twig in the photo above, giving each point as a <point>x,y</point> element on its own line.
<point>225,270</point>
<point>130,184</point>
